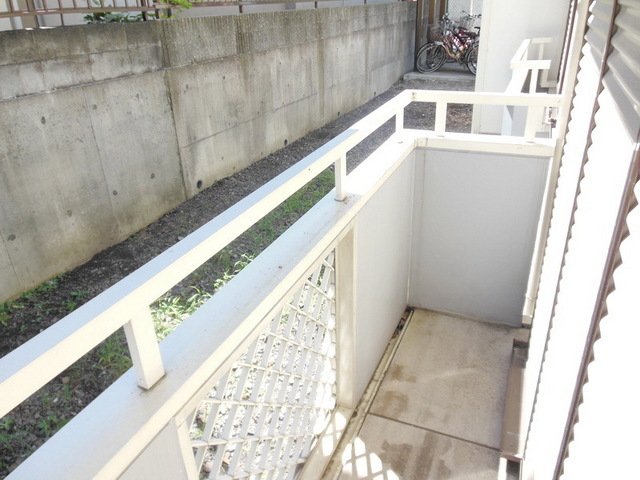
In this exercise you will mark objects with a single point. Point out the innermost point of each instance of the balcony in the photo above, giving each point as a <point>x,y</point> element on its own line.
<point>434,408</point>
<point>262,379</point>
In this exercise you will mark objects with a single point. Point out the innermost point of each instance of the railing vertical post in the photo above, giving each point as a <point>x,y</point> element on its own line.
<point>534,116</point>
<point>441,118</point>
<point>346,320</point>
<point>341,177</point>
<point>143,346</point>
<point>533,81</point>
<point>544,79</point>
<point>541,50</point>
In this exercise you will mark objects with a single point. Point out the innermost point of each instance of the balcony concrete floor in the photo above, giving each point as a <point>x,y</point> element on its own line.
<point>437,412</point>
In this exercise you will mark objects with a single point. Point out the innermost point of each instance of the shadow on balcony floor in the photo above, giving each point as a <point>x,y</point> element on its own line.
<point>437,413</point>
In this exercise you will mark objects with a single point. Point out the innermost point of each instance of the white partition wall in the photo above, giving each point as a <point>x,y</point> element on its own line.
<point>475,232</point>
<point>383,246</point>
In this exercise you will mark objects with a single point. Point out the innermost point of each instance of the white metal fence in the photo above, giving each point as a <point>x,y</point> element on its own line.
<point>177,374</point>
<point>265,413</point>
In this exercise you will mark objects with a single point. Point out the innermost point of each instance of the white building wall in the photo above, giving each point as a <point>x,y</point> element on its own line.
<point>505,24</point>
<point>457,8</point>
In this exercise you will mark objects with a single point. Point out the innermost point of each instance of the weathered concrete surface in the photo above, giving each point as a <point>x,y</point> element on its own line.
<point>449,375</point>
<point>141,175</point>
<point>286,74</point>
<point>394,450</point>
<point>438,411</point>
<point>119,123</point>
<point>41,61</point>
<point>53,206</point>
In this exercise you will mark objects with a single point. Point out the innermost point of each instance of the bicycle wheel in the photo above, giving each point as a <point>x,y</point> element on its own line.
<point>430,57</point>
<point>471,58</point>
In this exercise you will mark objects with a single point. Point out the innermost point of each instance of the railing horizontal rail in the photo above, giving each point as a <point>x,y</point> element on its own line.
<point>205,346</point>
<point>488,98</point>
<point>230,320</point>
<point>534,103</point>
<point>43,357</point>
<point>522,54</point>
<point>531,64</point>
<point>39,360</point>
<point>522,66</point>
<point>480,143</point>
<point>31,8</point>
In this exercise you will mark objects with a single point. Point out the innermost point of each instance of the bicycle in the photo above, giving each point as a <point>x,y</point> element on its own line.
<point>450,42</point>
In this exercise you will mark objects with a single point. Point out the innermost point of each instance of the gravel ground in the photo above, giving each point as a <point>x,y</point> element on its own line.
<point>30,424</point>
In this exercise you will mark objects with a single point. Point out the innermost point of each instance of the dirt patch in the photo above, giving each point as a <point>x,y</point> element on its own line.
<point>30,424</point>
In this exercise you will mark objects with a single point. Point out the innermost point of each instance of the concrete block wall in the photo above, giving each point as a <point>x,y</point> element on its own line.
<point>104,128</point>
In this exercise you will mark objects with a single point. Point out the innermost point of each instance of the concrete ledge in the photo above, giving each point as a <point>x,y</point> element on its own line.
<point>449,72</point>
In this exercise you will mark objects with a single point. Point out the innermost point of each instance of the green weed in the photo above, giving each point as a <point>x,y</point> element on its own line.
<point>47,286</point>
<point>7,309</point>
<point>229,274</point>
<point>282,217</point>
<point>51,424</point>
<point>170,311</point>
<point>4,314</point>
<point>113,355</point>
<point>6,425</point>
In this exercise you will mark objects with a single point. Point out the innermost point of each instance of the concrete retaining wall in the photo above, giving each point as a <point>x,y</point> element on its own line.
<point>104,128</point>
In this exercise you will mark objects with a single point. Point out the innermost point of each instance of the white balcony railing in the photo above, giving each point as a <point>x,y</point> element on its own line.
<point>249,381</point>
<point>535,69</point>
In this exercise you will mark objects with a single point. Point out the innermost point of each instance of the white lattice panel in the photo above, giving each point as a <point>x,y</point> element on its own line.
<point>263,416</point>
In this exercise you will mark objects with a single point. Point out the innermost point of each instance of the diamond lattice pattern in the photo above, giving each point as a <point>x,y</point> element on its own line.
<point>264,415</point>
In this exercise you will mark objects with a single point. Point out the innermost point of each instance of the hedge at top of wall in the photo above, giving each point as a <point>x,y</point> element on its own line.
<point>104,128</point>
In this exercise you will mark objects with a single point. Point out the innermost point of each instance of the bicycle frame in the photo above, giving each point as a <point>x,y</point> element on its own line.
<point>450,42</point>
<point>455,45</point>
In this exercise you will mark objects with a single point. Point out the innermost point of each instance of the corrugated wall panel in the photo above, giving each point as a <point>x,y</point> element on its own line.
<point>599,26</point>
<point>605,438</point>
<point>576,302</point>
<point>569,176</point>
<point>566,47</point>
<point>608,386</point>
<point>570,172</point>
<point>625,102</point>
<point>623,77</point>
<point>590,254</point>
